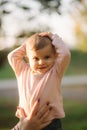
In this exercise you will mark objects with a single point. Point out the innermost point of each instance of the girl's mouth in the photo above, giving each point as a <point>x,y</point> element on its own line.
<point>43,67</point>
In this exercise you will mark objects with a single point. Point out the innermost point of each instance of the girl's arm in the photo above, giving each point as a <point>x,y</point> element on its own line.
<point>16,60</point>
<point>63,53</point>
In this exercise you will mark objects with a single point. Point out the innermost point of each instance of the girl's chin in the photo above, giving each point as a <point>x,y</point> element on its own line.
<point>42,71</point>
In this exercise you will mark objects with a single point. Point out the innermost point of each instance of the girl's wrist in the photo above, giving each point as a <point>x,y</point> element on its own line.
<point>56,40</point>
<point>53,36</point>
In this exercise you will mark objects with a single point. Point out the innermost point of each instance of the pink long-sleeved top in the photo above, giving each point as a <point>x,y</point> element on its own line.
<point>45,87</point>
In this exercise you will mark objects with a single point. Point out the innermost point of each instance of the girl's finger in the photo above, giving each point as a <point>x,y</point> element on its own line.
<point>46,34</point>
<point>20,112</point>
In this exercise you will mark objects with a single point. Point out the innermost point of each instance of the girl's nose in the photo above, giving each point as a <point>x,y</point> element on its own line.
<point>41,62</point>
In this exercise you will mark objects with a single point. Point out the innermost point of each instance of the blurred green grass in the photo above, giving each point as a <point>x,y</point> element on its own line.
<point>78,63</point>
<point>76,115</point>
<point>7,113</point>
<point>6,72</point>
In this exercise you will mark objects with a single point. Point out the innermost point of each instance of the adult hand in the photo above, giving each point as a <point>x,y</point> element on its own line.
<point>37,119</point>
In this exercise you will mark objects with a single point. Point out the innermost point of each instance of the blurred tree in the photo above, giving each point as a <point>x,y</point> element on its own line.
<point>26,7</point>
<point>79,15</point>
<point>78,11</point>
<point>3,12</point>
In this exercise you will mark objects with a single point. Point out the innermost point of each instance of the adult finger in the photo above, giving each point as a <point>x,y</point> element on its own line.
<point>34,109</point>
<point>43,110</point>
<point>46,116</point>
<point>44,124</point>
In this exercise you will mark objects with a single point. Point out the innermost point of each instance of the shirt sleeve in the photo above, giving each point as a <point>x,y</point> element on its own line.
<point>16,60</point>
<point>63,54</point>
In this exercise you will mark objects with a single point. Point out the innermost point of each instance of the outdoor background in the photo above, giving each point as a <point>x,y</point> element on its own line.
<point>68,18</point>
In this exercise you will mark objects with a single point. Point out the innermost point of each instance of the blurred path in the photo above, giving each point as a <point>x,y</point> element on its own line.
<point>73,87</point>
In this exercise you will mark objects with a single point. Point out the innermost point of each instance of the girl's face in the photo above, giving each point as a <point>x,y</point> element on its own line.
<point>41,60</point>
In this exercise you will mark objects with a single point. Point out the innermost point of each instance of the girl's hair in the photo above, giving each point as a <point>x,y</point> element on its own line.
<point>37,42</point>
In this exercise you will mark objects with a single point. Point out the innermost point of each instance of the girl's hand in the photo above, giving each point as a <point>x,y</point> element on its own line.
<point>49,34</point>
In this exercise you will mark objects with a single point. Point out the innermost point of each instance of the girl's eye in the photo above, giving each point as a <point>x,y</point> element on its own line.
<point>35,58</point>
<point>47,57</point>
